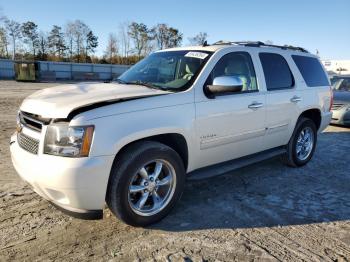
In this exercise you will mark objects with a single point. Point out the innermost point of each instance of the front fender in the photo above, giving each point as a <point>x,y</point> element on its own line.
<point>114,132</point>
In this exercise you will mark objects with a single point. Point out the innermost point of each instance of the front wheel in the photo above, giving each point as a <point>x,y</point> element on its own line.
<point>302,144</point>
<point>145,183</point>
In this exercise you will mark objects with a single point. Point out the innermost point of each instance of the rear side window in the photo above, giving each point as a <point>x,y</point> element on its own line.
<point>277,72</point>
<point>311,70</point>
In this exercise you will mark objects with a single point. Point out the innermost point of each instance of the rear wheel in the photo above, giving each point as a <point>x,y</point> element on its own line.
<point>302,144</point>
<point>146,182</point>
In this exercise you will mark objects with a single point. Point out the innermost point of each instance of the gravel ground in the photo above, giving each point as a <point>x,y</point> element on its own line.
<point>264,212</point>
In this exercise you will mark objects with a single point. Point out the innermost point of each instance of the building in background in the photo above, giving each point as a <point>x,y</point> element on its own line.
<point>337,67</point>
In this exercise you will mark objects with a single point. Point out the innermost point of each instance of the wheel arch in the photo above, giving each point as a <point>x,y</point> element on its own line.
<point>314,114</point>
<point>174,140</point>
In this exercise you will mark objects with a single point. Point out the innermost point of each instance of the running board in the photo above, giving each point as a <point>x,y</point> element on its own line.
<point>223,168</point>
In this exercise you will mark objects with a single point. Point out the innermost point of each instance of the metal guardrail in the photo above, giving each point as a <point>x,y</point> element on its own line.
<point>48,70</point>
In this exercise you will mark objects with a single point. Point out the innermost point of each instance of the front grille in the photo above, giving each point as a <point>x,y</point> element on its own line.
<point>28,143</point>
<point>337,106</point>
<point>32,121</point>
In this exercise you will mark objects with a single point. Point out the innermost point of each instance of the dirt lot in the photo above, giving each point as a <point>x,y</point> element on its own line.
<point>262,212</point>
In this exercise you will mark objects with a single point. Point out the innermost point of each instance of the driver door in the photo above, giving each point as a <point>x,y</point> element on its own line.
<point>232,125</point>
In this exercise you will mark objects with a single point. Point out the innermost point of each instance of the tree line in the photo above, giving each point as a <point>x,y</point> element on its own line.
<point>76,42</point>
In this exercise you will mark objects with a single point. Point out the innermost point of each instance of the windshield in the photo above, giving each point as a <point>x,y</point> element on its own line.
<point>170,70</point>
<point>341,84</point>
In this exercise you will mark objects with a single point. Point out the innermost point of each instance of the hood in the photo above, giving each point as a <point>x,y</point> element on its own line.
<point>58,102</point>
<point>341,97</point>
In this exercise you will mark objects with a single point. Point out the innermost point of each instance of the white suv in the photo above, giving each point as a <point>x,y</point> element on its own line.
<point>189,112</point>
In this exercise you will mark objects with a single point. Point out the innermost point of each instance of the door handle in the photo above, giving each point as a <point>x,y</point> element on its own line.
<point>295,99</point>
<point>255,105</point>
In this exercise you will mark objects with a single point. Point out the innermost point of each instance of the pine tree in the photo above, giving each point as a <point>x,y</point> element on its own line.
<point>91,44</point>
<point>31,36</point>
<point>56,41</point>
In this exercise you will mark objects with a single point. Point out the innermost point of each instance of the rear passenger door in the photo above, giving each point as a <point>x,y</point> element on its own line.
<point>281,100</point>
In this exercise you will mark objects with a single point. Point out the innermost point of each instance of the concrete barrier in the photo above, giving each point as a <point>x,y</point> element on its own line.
<point>52,71</point>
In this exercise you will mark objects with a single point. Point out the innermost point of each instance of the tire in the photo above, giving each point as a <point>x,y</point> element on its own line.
<point>129,172</point>
<point>292,158</point>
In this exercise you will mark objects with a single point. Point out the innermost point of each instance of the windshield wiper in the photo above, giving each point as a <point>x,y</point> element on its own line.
<point>118,80</point>
<point>142,83</point>
<point>147,84</point>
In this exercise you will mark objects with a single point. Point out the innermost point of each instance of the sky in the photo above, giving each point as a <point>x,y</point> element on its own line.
<point>313,24</point>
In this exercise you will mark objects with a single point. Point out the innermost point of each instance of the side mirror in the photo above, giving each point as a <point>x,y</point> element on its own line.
<point>224,85</point>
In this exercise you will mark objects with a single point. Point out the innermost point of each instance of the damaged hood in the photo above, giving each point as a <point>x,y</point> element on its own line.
<point>58,102</point>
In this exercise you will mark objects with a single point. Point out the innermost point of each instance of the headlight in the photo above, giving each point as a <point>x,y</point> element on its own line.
<point>18,123</point>
<point>69,141</point>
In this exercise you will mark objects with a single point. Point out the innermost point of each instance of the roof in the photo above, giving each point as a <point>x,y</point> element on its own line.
<point>249,44</point>
<point>341,76</point>
<point>209,48</point>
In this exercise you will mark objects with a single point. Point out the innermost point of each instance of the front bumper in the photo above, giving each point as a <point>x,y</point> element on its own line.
<point>76,185</point>
<point>341,117</point>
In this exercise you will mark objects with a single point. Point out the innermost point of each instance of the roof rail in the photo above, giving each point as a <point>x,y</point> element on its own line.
<point>259,44</point>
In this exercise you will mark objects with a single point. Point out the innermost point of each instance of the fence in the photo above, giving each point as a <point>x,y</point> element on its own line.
<point>66,71</point>
<point>7,70</point>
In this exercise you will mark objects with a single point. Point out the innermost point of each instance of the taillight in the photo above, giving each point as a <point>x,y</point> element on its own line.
<point>331,101</point>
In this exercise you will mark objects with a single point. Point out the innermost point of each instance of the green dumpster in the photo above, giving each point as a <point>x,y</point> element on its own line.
<point>25,71</point>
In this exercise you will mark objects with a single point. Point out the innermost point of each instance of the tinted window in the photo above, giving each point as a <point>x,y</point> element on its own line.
<point>238,64</point>
<point>311,70</point>
<point>342,84</point>
<point>276,71</point>
<point>345,85</point>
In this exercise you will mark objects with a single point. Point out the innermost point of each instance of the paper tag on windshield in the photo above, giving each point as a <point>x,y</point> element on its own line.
<point>199,55</point>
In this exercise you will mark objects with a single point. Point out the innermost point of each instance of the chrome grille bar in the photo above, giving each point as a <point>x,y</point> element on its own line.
<point>28,143</point>
<point>32,121</point>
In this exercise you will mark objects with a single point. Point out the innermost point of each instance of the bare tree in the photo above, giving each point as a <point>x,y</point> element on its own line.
<point>14,30</point>
<point>199,39</point>
<point>160,32</point>
<point>80,36</point>
<point>69,33</point>
<point>112,48</point>
<point>77,33</point>
<point>140,34</point>
<point>124,39</point>
<point>3,43</point>
<point>166,37</point>
<point>174,37</point>
<point>43,45</point>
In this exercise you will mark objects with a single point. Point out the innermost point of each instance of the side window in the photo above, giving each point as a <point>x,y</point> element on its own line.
<point>277,72</point>
<point>237,64</point>
<point>311,70</point>
<point>345,85</point>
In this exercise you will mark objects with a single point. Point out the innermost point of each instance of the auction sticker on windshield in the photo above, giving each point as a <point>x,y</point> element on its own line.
<point>199,55</point>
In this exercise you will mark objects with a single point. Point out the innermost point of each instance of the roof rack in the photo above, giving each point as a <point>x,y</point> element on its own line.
<point>259,44</point>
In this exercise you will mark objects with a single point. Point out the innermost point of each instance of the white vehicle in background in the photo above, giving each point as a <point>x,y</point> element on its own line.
<point>181,113</point>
